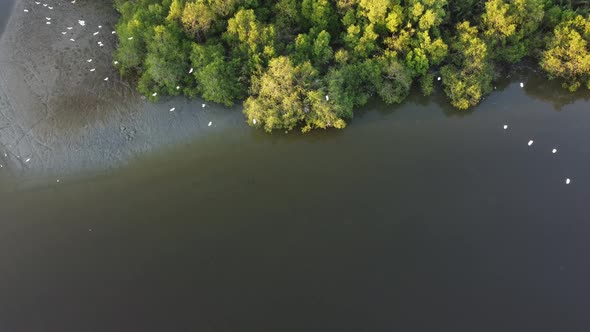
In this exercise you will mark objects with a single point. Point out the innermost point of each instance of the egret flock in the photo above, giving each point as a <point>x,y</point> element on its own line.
<point>254,121</point>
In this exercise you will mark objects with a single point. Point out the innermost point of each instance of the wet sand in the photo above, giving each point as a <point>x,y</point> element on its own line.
<point>57,117</point>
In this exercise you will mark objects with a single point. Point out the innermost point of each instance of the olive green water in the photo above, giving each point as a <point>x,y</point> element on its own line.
<point>411,219</point>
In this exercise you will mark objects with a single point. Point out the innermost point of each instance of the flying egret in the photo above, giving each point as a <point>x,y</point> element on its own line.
<point>93,69</point>
<point>505,127</point>
<point>50,7</point>
<point>154,94</point>
<point>48,18</point>
<point>69,28</point>
<point>530,142</point>
<point>72,39</point>
<point>81,22</point>
<point>210,123</point>
<point>554,151</point>
<point>37,2</point>
<point>47,22</point>
<point>28,159</point>
<point>106,78</point>
<point>521,85</point>
<point>44,5</point>
<point>73,1</point>
<point>568,181</point>
<point>190,71</point>
<point>172,109</point>
<point>63,32</point>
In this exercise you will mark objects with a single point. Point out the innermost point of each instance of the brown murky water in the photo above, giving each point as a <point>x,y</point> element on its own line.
<point>414,218</point>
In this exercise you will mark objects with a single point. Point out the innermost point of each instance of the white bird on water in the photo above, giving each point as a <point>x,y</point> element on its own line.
<point>521,85</point>
<point>28,159</point>
<point>47,22</point>
<point>568,181</point>
<point>72,39</point>
<point>89,60</point>
<point>69,28</point>
<point>531,142</point>
<point>106,79</point>
<point>505,127</point>
<point>554,151</point>
<point>100,26</point>
<point>50,7</point>
<point>37,3</point>
<point>94,34</point>
<point>48,18</point>
<point>93,69</point>
<point>73,1</point>
<point>203,105</point>
<point>44,5</point>
<point>154,94</point>
<point>210,123</point>
<point>190,71</point>
<point>114,32</point>
<point>63,32</point>
<point>81,22</point>
<point>172,109</point>
<point>26,10</point>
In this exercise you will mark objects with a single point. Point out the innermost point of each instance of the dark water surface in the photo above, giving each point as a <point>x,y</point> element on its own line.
<point>412,219</point>
<point>5,10</point>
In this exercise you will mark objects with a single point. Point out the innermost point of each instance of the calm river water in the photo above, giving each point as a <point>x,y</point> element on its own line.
<point>414,218</point>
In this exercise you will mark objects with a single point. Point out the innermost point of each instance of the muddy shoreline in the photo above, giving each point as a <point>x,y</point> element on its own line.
<point>58,118</point>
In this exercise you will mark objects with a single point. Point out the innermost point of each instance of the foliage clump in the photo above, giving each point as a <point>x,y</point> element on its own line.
<point>309,64</point>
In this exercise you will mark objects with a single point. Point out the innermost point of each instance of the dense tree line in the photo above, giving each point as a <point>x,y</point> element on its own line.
<point>309,63</point>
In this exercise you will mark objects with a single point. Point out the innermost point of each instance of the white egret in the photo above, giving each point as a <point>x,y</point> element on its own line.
<point>530,142</point>
<point>521,85</point>
<point>178,87</point>
<point>568,181</point>
<point>50,7</point>
<point>93,69</point>
<point>28,159</point>
<point>44,5</point>
<point>154,94</point>
<point>100,26</point>
<point>94,34</point>
<point>73,1</point>
<point>89,60</point>
<point>172,109</point>
<point>72,39</point>
<point>63,32</point>
<point>81,22</point>
<point>554,151</point>
<point>130,38</point>
<point>26,10</point>
<point>203,105</point>
<point>438,78</point>
<point>106,78</point>
<point>37,2</point>
<point>505,127</point>
<point>116,62</point>
<point>210,123</point>
<point>69,28</point>
<point>254,121</point>
<point>190,71</point>
<point>47,22</point>
<point>327,98</point>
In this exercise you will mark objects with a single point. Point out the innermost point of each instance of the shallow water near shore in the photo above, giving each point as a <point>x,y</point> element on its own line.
<point>415,217</point>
